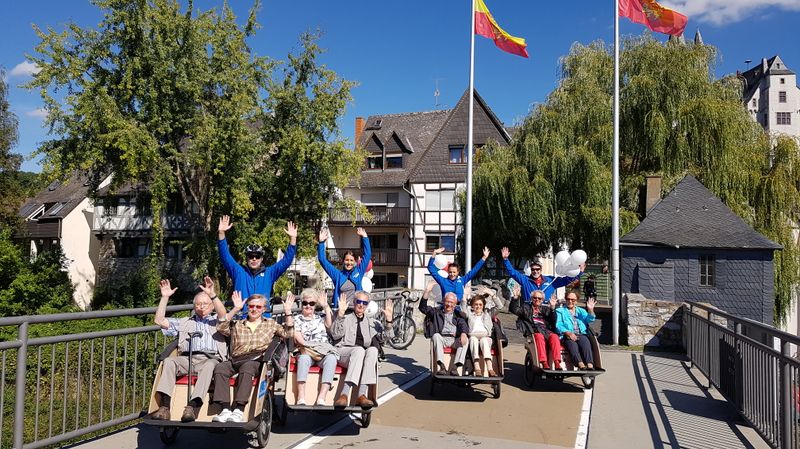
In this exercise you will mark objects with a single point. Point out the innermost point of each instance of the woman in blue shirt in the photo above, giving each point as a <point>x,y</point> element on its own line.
<point>571,324</point>
<point>348,279</point>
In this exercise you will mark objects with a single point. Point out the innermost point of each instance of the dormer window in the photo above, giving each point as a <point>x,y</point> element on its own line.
<point>375,162</point>
<point>394,161</point>
<point>378,122</point>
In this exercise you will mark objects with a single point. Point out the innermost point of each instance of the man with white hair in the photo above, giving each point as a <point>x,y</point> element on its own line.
<point>446,329</point>
<point>208,347</point>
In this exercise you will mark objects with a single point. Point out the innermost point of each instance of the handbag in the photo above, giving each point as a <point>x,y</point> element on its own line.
<point>311,352</point>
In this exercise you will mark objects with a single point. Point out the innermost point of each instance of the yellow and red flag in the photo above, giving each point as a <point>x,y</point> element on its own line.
<point>654,16</point>
<point>487,27</point>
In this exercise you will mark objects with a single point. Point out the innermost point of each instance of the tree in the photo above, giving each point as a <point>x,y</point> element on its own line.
<point>11,193</point>
<point>172,100</point>
<point>553,184</point>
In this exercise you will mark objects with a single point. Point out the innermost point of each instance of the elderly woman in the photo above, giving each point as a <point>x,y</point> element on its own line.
<point>538,321</point>
<point>480,333</point>
<point>356,333</point>
<point>348,279</point>
<point>311,337</point>
<point>571,324</point>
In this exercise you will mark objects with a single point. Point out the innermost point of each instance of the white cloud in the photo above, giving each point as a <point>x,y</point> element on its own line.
<point>720,12</point>
<point>25,68</point>
<point>37,113</point>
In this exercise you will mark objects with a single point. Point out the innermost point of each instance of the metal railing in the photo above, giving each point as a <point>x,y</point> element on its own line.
<point>381,215</point>
<point>381,256</point>
<point>738,357</point>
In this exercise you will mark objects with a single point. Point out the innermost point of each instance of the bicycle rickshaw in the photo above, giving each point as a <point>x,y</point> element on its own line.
<point>533,371</point>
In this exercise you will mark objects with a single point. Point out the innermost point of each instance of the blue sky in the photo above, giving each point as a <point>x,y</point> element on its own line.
<point>398,51</point>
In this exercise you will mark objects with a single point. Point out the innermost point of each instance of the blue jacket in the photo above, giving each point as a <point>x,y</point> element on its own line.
<point>456,285</point>
<point>549,283</point>
<point>339,277</point>
<point>564,320</point>
<point>249,283</point>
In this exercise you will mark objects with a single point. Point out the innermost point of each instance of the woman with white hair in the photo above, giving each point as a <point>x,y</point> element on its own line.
<point>311,337</point>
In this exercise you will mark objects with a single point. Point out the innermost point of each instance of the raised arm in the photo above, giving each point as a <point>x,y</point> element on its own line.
<point>323,258</point>
<point>366,250</point>
<point>161,311</point>
<point>563,281</point>
<point>208,288</point>
<point>222,246</point>
<point>516,275</point>
<point>468,277</point>
<point>279,267</point>
<point>423,302</point>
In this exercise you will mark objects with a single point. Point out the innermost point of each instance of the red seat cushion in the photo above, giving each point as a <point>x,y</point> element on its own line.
<point>183,380</point>
<point>449,350</point>
<point>312,369</point>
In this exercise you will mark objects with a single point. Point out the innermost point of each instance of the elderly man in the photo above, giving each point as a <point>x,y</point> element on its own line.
<point>208,347</point>
<point>249,339</point>
<point>357,351</point>
<point>253,277</point>
<point>454,282</point>
<point>447,328</point>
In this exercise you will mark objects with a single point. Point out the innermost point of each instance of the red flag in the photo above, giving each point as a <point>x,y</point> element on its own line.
<point>654,16</point>
<point>486,26</point>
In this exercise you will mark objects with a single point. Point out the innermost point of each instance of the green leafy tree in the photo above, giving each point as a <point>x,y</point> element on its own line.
<point>553,184</point>
<point>11,192</point>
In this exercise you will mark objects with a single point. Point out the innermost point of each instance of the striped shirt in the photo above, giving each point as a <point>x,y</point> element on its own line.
<point>247,341</point>
<point>206,325</point>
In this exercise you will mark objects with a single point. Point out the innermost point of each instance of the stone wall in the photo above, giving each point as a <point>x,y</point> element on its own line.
<point>653,323</point>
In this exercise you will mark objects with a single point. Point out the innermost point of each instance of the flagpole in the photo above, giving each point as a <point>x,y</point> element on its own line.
<point>468,149</point>
<point>615,292</point>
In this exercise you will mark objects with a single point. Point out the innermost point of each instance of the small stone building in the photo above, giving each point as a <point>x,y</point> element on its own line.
<point>692,247</point>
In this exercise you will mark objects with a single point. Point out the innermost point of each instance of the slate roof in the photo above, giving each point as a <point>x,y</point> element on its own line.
<point>752,78</point>
<point>410,133</point>
<point>691,216</point>
<point>59,198</point>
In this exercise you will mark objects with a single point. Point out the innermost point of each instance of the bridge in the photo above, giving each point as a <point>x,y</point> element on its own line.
<point>727,390</point>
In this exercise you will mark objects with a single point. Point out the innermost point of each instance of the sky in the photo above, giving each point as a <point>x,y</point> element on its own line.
<point>399,52</point>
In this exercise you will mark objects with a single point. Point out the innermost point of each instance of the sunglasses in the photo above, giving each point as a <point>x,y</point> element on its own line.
<point>536,269</point>
<point>308,303</point>
<point>572,299</point>
<point>255,256</point>
<point>257,307</point>
<point>539,298</point>
<point>362,302</point>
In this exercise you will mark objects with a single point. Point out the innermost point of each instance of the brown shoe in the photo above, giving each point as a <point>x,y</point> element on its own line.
<point>188,414</point>
<point>478,372</point>
<point>342,402</point>
<point>162,413</point>
<point>364,402</point>
<point>589,366</point>
<point>492,373</point>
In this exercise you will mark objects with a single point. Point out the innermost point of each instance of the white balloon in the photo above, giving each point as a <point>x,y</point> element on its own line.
<point>440,261</point>
<point>573,271</point>
<point>578,257</point>
<point>366,285</point>
<point>443,273</point>
<point>562,258</point>
<point>559,269</point>
<point>527,269</point>
<point>372,309</point>
<point>370,273</point>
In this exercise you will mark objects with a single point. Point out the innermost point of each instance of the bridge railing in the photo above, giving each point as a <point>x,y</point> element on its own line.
<point>62,385</point>
<point>738,356</point>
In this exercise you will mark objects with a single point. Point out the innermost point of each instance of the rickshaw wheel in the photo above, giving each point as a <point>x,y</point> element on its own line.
<point>588,382</point>
<point>530,377</point>
<point>168,434</point>
<point>496,390</point>
<point>433,384</point>
<point>366,418</point>
<point>265,423</point>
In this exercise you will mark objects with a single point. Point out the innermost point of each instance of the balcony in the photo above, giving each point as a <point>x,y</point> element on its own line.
<point>141,224</point>
<point>381,216</point>
<point>391,257</point>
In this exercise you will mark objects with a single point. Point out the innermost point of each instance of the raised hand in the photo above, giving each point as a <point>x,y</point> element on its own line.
<point>166,288</point>
<point>224,224</point>
<point>516,291</point>
<point>553,302</point>
<point>208,287</point>
<point>238,302</point>
<point>590,303</point>
<point>505,252</point>
<point>438,251</point>
<point>388,309</point>
<point>288,303</point>
<point>429,287</point>
<point>361,232</point>
<point>343,304</point>
<point>485,252</point>
<point>291,231</point>
<point>323,235</point>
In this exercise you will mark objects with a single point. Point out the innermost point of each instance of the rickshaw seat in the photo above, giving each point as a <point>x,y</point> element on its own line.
<point>183,380</point>
<point>313,369</point>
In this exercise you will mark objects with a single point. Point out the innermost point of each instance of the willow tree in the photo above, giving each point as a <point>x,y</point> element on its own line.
<point>552,185</point>
<point>175,100</point>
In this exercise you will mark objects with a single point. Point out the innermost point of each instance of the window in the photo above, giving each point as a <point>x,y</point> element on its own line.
<point>379,199</point>
<point>457,154</point>
<point>110,204</point>
<point>143,207</point>
<point>784,118</point>
<point>443,200</point>
<point>375,162</point>
<point>754,102</point>
<point>385,241</point>
<point>783,81</point>
<point>707,271</point>
<point>781,97</point>
<point>394,161</point>
<point>132,247</point>
<point>384,280</point>
<point>446,241</point>
<point>173,249</point>
<point>175,206</point>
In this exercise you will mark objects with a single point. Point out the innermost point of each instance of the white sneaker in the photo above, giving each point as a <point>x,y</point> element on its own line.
<point>222,416</point>
<point>301,401</point>
<point>320,401</point>
<point>236,416</point>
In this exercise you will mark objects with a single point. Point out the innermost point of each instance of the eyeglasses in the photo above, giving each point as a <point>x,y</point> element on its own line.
<point>572,299</point>
<point>255,256</point>
<point>308,303</point>
<point>256,306</point>
<point>536,269</point>
<point>540,298</point>
<point>361,302</point>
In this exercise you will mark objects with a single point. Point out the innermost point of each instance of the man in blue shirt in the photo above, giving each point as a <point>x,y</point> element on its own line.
<point>537,281</point>
<point>454,283</point>
<point>254,277</point>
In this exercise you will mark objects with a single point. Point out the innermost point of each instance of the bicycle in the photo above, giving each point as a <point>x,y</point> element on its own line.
<point>405,330</point>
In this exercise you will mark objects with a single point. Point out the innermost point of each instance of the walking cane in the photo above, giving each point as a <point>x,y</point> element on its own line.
<point>189,383</point>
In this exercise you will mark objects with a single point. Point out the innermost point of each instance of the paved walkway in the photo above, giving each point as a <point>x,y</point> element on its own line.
<point>653,400</point>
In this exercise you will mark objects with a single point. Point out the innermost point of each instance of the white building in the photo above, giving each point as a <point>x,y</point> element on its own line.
<point>415,168</point>
<point>772,97</point>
